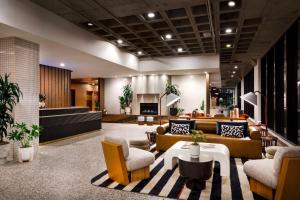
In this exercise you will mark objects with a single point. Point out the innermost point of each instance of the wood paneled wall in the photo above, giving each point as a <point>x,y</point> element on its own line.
<point>55,84</point>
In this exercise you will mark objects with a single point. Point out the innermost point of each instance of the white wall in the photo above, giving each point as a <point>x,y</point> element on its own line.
<point>193,90</point>
<point>112,90</point>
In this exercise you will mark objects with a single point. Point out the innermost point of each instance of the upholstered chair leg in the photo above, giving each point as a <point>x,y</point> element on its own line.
<point>140,174</point>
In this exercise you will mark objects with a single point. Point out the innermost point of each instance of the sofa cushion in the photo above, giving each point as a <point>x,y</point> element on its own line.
<point>232,131</point>
<point>244,124</point>
<point>284,152</point>
<point>261,170</point>
<point>138,159</point>
<point>180,128</point>
<point>121,141</point>
<point>191,124</point>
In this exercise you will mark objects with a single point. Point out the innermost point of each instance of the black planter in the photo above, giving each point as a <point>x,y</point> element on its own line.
<point>173,111</point>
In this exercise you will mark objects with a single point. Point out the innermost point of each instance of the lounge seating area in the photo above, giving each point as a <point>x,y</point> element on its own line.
<point>149,100</point>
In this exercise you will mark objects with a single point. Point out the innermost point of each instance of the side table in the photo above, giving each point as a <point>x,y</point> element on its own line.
<point>151,135</point>
<point>197,170</point>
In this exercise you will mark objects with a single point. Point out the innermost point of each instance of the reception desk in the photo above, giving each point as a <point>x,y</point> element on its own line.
<point>58,123</point>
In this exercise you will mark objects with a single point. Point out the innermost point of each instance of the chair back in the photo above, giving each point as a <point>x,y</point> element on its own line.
<point>115,162</point>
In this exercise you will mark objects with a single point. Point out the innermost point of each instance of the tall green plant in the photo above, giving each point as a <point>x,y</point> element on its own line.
<point>172,88</point>
<point>122,102</point>
<point>10,94</point>
<point>23,134</point>
<point>127,94</point>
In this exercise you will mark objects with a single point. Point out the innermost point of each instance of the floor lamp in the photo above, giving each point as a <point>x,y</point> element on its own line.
<point>171,99</point>
<point>251,98</point>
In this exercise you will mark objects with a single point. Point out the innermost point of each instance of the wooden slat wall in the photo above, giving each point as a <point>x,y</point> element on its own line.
<point>55,83</point>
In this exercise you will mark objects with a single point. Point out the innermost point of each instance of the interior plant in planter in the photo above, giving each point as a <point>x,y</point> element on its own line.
<point>128,96</point>
<point>10,95</point>
<point>122,104</point>
<point>21,133</point>
<point>42,99</point>
<point>172,89</point>
<point>197,136</point>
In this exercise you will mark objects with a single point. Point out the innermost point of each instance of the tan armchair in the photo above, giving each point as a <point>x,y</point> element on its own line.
<point>276,178</point>
<point>125,164</point>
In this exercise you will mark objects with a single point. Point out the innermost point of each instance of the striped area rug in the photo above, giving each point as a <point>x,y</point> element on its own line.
<point>169,183</point>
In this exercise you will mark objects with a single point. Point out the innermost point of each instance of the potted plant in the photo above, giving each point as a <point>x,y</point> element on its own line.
<point>128,95</point>
<point>10,94</point>
<point>180,111</point>
<point>122,104</point>
<point>42,98</point>
<point>21,133</point>
<point>202,106</point>
<point>172,88</point>
<point>197,136</point>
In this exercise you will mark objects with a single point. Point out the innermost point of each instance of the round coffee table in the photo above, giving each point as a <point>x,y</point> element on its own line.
<point>197,170</point>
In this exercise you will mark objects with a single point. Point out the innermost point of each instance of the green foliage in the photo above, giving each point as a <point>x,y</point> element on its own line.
<point>122,102</point>
<point>202,105</point>
<point>23,134</point>
<point>172,88</point>
<point>97,105</point>
<point>180,111</point>
<point>42,97</point>
<point>10,94</point>
<point>198,136</point>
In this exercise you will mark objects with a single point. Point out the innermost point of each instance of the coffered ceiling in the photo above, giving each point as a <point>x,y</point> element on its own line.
<point>239,33</point>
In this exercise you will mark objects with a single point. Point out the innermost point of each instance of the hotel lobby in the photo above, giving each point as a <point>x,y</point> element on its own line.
<point>131,99</point>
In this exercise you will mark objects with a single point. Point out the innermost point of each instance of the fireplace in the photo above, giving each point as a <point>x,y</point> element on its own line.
<point>149,108</point>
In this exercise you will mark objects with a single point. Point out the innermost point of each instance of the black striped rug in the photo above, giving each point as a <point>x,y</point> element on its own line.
<point>168,183</point>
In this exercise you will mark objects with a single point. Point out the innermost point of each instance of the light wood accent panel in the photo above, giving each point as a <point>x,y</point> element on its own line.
<point>140,174</point>
<point>115,162</point>
<point>261,189</point>
<point>55,83</point>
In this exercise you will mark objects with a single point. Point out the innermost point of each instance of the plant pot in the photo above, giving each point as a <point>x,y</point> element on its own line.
<point>42,104</point>
<point>4,149</point>
<point>194,150</point>
<point>122,111</point>
<point>173,111</point>
<point>25,154</point>
<point>127,110</point>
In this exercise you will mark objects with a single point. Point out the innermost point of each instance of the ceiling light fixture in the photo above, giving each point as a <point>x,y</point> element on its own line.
<point>231,3</point>
<point>235,67</point>
<point>168,36</point>
<point>139,52</point>
<point>120,41</point>
<point>234,72</point>
<point>232,76</point>
<point>228,30</point>
<point>62,64</point>
<point>90,24</point>
<point>179,50</point>
<point>228,45</point>
<point>151,15</point>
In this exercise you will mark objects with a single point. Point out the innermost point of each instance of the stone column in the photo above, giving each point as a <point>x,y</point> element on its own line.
<point>20,58</point>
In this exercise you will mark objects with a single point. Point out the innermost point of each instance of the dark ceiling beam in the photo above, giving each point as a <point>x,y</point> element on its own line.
<point>210,18</point>
<point>126,26</point>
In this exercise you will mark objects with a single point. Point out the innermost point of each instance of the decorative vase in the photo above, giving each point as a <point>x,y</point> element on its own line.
<point>122,111</point>
<point>42,104</point>
<point>127,110</point>
<point>194,150</point>
<point>26,154</point>
<point>173,111</point>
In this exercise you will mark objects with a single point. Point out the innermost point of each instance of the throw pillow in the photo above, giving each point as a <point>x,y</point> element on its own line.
<point>180,128</point>
<point>192,123</point>
<point>244,124</point>
<point>232,131</point>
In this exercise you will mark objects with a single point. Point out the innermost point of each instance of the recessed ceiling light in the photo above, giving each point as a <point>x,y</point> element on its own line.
<point>151,15</point>
<point>139,52</point>
<point>120,41</point>
<point>231,3</point>
<point>234,72</point>
<point>228,30</point>
<point>62,64</point>
<point>90,24</point>
<point>179,50</point>
<point>168,36</point>
<point>232,76</point>
<point>228,45</point>
<point>235,67</point>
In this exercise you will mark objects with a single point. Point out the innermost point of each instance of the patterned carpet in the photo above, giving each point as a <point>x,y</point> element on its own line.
<point>168,183</point>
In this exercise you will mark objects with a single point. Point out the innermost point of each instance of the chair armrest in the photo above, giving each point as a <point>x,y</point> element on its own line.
<point>254,133</point>
<point>162,129</point>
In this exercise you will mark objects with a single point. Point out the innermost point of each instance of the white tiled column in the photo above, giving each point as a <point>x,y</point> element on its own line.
<point>257,87</point>
<point>20,59</point>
